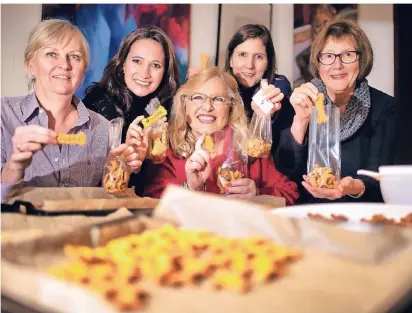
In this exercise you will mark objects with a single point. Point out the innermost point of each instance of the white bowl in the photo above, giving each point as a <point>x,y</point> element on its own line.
<point>396,183</point>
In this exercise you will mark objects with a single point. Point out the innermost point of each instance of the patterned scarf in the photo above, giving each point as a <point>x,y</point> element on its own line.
<point>356,111</point>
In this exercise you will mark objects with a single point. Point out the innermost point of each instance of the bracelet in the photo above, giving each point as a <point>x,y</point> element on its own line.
<point>201,188</point>
<point>359,194</point>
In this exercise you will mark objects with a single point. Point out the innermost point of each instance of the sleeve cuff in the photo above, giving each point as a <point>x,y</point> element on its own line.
<point>8,190</point>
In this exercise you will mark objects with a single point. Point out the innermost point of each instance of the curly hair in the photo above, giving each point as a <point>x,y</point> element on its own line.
<point>182,140</point>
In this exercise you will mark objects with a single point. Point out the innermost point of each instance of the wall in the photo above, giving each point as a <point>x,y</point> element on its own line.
<point>377,21</point>
<point>236,15</point>
<point>203,33</point>
<point>16,23</point>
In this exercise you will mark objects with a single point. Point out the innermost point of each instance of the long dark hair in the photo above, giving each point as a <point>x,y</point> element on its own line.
<point>253,31</point>
<point>113,75</point>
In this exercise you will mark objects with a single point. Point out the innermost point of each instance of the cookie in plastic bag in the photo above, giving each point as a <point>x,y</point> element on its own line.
<point>158,139</point>
<point>116,172</point>
<point>259,141</point>
<point>324,161</point>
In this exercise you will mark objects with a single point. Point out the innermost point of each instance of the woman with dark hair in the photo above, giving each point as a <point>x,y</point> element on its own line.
<point>250,56</point>
<point>145,67</point>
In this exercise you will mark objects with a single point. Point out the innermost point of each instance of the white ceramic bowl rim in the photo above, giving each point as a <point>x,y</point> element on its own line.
<point>395,170</point>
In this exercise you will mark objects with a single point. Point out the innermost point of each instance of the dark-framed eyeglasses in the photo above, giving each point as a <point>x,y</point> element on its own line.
<point>346,57</point>
<point>200,99</point>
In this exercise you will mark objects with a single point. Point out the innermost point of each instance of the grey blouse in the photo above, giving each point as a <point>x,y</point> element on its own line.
<point>70,166</point>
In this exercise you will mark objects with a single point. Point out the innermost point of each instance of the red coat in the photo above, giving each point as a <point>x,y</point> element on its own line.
<point>268,179</point>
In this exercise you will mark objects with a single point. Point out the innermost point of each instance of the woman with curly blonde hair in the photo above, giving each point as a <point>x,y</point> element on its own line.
<point>209,104</point>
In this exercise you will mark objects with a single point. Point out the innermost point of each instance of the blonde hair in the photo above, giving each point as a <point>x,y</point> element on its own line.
<point>343,29</point>
<point>49,32</point>
<point>182,140</point>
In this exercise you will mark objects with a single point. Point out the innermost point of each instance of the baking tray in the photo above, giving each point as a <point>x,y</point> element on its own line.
<point>28,208</point>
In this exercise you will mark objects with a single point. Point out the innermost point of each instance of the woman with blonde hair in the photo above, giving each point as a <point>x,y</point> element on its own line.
<point>207,104</point>
<point>56,58</point>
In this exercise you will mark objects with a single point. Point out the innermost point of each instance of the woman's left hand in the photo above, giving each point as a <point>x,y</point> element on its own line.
<point>273,94</point>
<point>130,155</point>
<point>347,185</point>
<point>242,188</point>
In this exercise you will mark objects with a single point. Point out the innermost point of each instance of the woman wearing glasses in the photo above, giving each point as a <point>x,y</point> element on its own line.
<point>341,59</point>
<point>250,56</point>
<point>209,103</point>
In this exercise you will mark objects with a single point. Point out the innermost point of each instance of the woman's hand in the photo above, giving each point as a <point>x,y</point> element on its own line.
<point>347,186</point>
<point>273,94</point>
<point>197,166</point>
<point>242,188</point>
<point>138,138</point>
<point>130,156</point>
<point>302,100</point>
<point>26,141</point>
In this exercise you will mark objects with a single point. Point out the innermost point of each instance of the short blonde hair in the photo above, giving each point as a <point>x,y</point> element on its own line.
<point>182,139</point>
<point>343,29</point>
<point>51,31</point>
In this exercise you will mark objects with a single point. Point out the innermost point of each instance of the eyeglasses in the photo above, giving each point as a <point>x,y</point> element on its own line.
<point>346,57</point>
<point>199,99</point>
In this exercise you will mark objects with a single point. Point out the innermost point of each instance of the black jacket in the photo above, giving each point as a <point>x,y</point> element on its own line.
<point>370,147</point>
<point>100,101</point>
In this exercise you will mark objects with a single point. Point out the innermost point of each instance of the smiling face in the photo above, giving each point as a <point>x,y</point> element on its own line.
<point>58,67</point>
<point>206,117</point>
<point>144,67</point>
<point>249,62</point>
<point>338,77</point>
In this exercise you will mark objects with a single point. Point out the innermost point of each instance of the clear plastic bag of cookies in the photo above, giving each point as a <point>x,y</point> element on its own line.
<point>324,161</point>
<point>233,168</point>
<point>158,139</point>
<point>116,172</point>
<point>259,140</point>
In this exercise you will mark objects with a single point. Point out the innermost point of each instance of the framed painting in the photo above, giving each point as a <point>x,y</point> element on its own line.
<point>105,26</point>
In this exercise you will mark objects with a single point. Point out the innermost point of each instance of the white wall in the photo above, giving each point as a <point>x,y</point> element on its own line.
<point>203,33</point>
<point>377,21</point>
<point>282,35</point>
<point>235,16</point>
<point>16,23</point>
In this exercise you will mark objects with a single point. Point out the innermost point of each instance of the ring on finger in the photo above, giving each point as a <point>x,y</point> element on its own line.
<point>18,147</point>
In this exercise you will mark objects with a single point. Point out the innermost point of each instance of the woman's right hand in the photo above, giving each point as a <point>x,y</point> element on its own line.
<point>197,166</point>
<point>302,100</point>
<point>26,141</point>
<point>138,138</point>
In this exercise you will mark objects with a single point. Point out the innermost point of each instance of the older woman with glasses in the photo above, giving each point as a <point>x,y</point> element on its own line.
<point>341,59</point>
<point>209,103</point>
